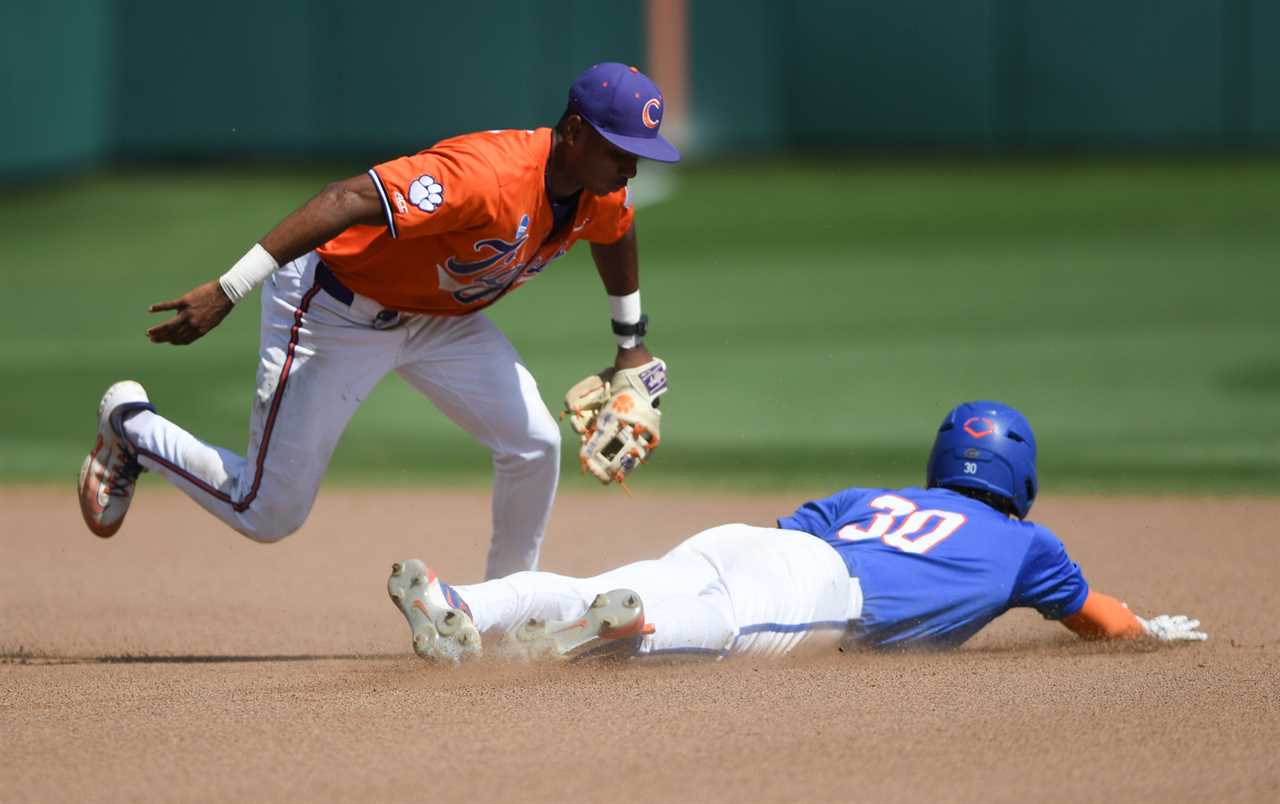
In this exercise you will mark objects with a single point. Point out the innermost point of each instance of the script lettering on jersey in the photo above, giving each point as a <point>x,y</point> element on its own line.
<point>537,264</point>
<point>503,253</point>
<point>910,521</point>
<point>492,275</point>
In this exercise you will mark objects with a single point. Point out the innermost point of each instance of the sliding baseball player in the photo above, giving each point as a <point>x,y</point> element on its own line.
<point>883,568</point>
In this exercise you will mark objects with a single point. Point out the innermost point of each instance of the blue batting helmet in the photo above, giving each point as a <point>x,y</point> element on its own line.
<point>986,446</point>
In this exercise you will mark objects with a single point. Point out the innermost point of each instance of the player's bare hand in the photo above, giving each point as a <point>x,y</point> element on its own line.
<point>198,311</point>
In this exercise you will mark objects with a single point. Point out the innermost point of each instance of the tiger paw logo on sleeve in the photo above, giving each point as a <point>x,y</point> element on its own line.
<point>426,193</point>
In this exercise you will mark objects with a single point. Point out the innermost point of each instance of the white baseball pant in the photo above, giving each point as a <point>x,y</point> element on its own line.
<point>319,358</point>
<point>733,589</point>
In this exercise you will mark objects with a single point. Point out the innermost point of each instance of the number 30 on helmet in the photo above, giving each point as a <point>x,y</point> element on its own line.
<point>986,446</point>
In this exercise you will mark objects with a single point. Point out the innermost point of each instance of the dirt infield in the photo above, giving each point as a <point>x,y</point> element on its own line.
<point>179,661</point>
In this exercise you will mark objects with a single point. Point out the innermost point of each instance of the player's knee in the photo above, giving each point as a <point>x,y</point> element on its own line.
<point>547,440</point>
<point>541,444</point>
<point>275,523</point>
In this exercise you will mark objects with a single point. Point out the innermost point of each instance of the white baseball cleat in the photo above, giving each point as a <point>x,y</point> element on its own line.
<point>443,629</point>
<point>110,472</point>
<point>613,624</point>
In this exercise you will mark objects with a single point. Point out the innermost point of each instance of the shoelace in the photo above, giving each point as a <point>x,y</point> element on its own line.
<point>125,474</point>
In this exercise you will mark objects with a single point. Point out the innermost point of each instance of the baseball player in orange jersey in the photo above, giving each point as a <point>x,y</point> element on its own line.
<point>389,271</point>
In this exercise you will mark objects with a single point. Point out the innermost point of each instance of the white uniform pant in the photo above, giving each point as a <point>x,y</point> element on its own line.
<point>319,359</point>
<point>733,589</point>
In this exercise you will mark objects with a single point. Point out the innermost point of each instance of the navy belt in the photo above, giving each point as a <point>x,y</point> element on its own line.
<point>332,286</point>
<point>385,319</point>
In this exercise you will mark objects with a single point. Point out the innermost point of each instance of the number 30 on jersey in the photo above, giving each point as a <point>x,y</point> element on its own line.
<point>903,525</point>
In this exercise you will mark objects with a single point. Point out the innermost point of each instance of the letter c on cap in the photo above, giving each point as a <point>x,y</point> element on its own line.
<point>648,116</point>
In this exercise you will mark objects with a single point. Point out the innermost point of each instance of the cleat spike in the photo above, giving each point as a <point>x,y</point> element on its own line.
<point>612,624</point>
<point>441,632</point>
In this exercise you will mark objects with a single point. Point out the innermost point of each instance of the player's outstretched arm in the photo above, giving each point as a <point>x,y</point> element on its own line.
<point>336,208</point>
<point>1105,617</point>
<point>619,267</point>
<point>615,411</point>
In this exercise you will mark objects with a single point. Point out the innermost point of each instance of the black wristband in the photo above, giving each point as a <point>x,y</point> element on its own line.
<point>638,329</point>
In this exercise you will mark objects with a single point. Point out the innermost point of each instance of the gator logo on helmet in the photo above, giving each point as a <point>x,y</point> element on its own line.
<point>983,427</point>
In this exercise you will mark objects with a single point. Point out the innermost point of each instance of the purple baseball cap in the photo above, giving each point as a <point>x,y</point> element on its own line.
<point>623,105</point>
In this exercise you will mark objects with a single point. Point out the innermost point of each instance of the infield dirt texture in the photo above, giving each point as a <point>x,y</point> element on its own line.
<point>819,318</point>
<point>179,662</point>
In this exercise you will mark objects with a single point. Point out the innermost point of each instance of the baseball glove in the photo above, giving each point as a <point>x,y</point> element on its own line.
<point>616,414</point>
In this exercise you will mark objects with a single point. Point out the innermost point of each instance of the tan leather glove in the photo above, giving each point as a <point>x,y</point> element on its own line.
<point>616,414</point>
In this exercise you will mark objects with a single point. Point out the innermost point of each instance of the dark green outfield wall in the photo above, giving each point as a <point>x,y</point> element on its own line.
<point>988,73</point>
<point>56,61</point>
<point>84,80</point>
<point>333,76</point>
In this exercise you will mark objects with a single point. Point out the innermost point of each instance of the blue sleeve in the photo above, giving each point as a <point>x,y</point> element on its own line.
<point>1049,580</point>
<point>817,516</point>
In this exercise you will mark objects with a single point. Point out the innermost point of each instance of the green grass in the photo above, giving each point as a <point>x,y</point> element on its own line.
<point>818,319</point>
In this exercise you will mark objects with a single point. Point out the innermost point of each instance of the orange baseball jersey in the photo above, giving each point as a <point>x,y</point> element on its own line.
<point>467,221</point>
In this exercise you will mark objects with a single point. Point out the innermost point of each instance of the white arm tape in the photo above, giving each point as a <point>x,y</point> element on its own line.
<point>626,310</point>
<point>252,269</point>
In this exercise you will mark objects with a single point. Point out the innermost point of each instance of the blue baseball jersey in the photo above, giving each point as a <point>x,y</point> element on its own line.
<point>936,566</point>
